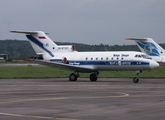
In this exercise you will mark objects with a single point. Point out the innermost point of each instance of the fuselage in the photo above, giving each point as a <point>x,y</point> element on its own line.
<point>65,57</point>
<point>107,61</point>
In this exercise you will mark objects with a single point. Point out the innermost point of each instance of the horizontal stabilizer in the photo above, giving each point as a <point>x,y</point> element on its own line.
<point>27,32</point>
<point>136,39</point>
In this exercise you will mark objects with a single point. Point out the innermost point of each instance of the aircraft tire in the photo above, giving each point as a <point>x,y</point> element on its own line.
<point>93,77</point>
<point>135,80</point>
<point>73,77</point>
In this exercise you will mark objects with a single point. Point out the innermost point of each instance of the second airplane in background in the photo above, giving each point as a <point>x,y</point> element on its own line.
<point>151,49</point>
<point>65,57</point>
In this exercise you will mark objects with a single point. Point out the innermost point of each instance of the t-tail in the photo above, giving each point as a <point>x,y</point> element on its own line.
<point>151,48</point>
<point>43,45</point>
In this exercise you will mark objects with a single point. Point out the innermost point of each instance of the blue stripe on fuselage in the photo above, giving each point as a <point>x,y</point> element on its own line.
<point>107,63</point>
<point>34,40</point>
<point>103,62</point>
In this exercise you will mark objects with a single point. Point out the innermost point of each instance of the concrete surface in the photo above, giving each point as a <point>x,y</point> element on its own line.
<point>60,99</point>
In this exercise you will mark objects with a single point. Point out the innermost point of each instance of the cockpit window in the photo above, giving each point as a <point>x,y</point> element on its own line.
<point>136,55</point>
<point>144,56</point>
<point>141,56</point>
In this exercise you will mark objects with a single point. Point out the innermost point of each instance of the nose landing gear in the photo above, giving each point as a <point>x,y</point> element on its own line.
<point>136,79</point>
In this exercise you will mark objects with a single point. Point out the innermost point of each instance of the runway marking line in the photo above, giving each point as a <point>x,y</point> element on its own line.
<point>146,95</point>
<point>60,98</point>
<point>41,117</point>
<point>92,97</point>
<point>17,115</point>
<point>26,100</point>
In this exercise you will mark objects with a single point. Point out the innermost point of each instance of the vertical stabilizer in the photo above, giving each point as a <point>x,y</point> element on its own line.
<point>41,43</point>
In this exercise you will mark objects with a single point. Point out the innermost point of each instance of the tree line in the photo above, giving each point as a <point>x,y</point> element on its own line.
<point>21,49</point>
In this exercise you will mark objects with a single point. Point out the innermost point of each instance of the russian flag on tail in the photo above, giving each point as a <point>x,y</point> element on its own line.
<point>42,37</point>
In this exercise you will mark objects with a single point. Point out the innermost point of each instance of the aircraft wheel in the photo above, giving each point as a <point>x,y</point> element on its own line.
<point>73,77</point>
<point>135,80</point>
<point>93,77</point>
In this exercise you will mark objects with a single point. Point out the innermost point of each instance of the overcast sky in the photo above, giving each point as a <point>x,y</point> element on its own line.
<point>85,21</point>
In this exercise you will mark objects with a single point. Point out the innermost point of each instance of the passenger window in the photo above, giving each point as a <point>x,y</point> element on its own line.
<point>107,58</point>
<point>96,58</point>
<point>139,56</point>
<point>112,58</point>
<point>91,58</point>
<point>122,58</point>
<point>101,58</point>
<point>136,55</point>
<point>86,58</point>
<point>117,58</point>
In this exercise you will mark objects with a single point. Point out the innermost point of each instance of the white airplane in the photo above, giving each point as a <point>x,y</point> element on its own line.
<point>151,48</point>
<point>65,57</point>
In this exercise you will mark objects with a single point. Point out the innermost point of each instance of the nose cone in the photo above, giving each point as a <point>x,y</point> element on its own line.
<point>153,64</point>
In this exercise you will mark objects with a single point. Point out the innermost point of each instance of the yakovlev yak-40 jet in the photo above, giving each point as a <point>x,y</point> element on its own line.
<point>65,57</point>
<point>151,49</point>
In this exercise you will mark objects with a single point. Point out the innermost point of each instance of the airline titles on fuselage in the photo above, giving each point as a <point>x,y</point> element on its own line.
<point>114,61</point>
<point>122,55</point>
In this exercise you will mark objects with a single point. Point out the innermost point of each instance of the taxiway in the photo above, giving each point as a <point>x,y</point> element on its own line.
<point>58,98</point>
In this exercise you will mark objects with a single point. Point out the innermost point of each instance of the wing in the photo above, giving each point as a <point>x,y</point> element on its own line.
<point>77,68</point>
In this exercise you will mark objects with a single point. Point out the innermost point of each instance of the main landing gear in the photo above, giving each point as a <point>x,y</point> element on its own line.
<point>136,79</point>
<point>93,76</point>
<point>74,76</point>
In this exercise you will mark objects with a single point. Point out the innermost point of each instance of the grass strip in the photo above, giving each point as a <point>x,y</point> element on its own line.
<point>48,72</point>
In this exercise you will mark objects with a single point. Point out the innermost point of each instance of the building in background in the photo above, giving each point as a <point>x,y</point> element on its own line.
<point>3,57</point>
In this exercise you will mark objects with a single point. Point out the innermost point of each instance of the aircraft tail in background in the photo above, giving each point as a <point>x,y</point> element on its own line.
<point>151,48</point>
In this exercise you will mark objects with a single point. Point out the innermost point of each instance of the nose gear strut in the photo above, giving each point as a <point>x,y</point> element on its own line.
<point>136,79</point>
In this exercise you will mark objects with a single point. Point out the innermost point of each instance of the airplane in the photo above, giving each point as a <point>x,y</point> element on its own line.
<point>66,57</point>
<point>151,49</point>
